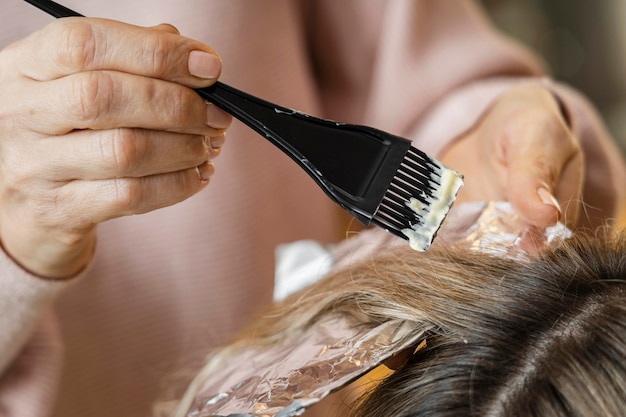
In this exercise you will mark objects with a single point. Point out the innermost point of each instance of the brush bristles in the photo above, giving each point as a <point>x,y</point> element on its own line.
<point>416,184</point>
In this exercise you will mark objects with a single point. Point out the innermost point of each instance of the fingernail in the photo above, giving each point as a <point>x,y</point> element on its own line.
<point>204,64</point>
<point>216,117</point>
<point>217,141</point>
<point>205,170</point>
<point>547,198</point>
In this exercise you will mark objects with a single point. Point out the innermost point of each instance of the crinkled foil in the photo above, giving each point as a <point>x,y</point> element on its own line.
<point>499,230</point>
<point>282,380</point>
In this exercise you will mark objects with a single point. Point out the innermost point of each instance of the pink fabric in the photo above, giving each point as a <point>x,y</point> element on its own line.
<point>166,286</point>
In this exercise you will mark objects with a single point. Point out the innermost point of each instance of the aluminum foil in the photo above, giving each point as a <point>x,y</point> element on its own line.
<point>282,380</point>
<point>499,230</point>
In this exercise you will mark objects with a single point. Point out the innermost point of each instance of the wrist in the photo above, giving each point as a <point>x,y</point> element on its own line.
<point>51,260</point>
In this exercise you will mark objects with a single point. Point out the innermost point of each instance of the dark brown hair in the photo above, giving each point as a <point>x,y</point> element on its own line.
<point>546,337</point>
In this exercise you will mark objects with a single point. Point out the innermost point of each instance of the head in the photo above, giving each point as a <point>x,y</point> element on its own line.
<point>541,336</point>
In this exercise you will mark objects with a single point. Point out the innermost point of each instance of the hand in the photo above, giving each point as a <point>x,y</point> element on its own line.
<point>522,151</point>
<point>98,119</point>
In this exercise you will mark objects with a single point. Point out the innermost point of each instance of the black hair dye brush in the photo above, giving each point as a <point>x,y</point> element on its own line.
<point>377,177</point>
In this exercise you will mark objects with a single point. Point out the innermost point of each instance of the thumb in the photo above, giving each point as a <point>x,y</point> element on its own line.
<point>545,176</point>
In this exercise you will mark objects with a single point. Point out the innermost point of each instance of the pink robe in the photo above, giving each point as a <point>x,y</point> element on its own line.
<point>165,287</point>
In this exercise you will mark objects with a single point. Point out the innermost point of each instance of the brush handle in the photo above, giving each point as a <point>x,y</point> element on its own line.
<point>54,9</point>
<point>342,158</point>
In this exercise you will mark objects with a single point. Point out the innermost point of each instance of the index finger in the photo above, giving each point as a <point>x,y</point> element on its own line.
<point>71,45</point>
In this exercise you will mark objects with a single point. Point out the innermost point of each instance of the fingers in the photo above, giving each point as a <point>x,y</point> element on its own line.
<point>55,192</point>
<point>217,142</point>
<point>545,173</point>
<point>72,45</point>
<point>120,76</point>
<point>117,153</point>
<point>56,202</point>
<point>81,73</point>
<point>52,232</point>
<point>98,201</point>
<point>108,99</point>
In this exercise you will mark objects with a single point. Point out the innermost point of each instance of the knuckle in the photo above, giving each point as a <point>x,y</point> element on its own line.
<point>90,95</point>
<point>185,182</point>
<point>16,175</point>
<point>198,149</point>
<point>167,27</point>
<point>157,53</point>
<point>127,195</point>
<point>178,103</point>
<point>78,45</point>
<point>122,150</point>
<point>193,150</point>
<point>39,207</point>
<point>13,186</point>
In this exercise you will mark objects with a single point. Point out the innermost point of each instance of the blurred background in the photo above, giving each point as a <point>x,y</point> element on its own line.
<point>583,42</point>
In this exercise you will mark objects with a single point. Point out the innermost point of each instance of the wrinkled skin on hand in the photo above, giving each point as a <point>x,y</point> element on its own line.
<point>98,119</point>
<point>522,151</point>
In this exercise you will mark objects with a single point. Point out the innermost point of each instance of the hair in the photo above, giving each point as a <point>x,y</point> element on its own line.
<point>538,336</point>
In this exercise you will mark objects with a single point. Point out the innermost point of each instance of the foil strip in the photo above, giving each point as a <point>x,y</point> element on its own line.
<point>500,231</point>
<point>283,380</point>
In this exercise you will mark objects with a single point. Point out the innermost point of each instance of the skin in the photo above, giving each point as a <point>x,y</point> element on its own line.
<point>98,119</point>
<point>522,151</point>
